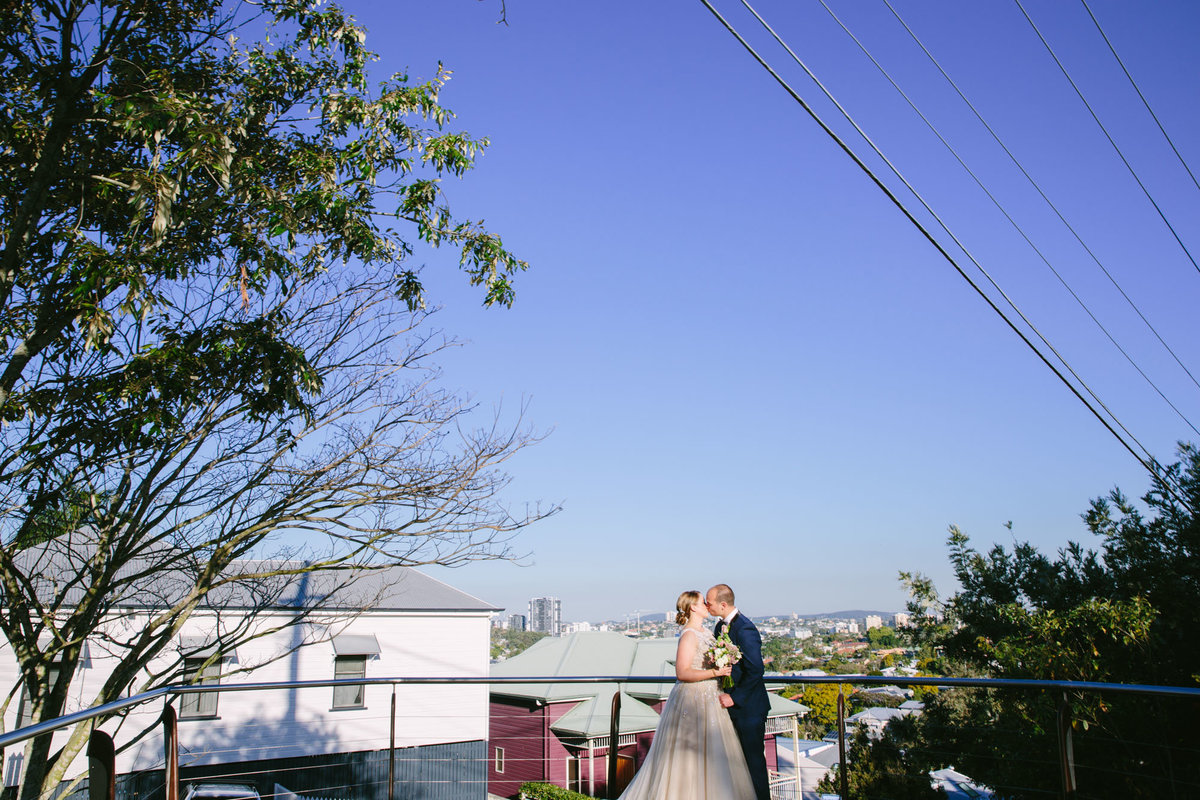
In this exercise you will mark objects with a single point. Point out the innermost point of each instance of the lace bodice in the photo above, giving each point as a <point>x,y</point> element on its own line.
<point>704,639</point>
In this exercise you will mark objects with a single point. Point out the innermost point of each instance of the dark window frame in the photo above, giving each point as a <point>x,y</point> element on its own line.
<point>351,697</point>
<point>200,705</point>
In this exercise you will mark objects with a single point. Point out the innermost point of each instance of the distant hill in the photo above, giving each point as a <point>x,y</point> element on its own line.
<point>853,614</point>
<point>857,613</point>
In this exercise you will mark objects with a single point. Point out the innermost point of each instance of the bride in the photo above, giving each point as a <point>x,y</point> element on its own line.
<point>695,753</point>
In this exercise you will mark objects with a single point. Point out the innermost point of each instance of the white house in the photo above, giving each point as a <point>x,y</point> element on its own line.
<point>874,720</point>
<point>416,626</point>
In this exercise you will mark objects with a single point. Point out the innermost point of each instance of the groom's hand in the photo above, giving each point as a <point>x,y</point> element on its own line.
<point>725,700</point>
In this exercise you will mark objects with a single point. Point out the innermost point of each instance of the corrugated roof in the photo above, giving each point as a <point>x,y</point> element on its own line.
<point>653,657</point>
<point>601,653</point>
<point>593,717</point>
<point>783,707</point>
<point>165,575</point>
<point>580,654</point>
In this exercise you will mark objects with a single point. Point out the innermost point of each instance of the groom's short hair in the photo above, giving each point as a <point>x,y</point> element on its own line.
<point>724,593</point>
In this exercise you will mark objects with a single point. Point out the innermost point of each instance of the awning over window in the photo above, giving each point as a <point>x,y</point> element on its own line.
<point>85,652</point>
<point>353,644</point>
<point>203,647</point>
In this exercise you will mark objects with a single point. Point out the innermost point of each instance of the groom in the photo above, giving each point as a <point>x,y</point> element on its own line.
<point>747,700</point>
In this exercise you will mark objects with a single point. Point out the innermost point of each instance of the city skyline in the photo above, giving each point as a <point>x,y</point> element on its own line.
<point>751,368</point>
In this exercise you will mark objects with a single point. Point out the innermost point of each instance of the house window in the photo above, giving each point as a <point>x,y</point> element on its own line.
<point>203,671</point>
<point>499,759</point>
<point>350,654</point>
<point>346,668</point>
<point>25,709</point>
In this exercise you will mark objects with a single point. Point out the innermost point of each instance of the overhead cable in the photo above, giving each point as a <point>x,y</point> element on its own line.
<point>1037,187</point>
<point>1148,461</point>
<point>1111,141</point>
<point>1000,207</point>
<point>945,228</point>
<point>1138,89</point>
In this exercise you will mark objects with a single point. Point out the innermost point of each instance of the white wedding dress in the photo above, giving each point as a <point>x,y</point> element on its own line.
<point>695,754</point>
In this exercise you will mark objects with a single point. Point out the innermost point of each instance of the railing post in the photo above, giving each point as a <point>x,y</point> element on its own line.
<point>1066,749</point>
<point>843,780</point>
<point>170,723</point>
<point>614,734</point>
<point>102,767</point>
<point>796,755</point>
<point>392,750</point>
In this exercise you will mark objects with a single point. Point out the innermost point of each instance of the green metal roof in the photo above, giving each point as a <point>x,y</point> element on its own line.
<point>581,654</point>
<point>601,653</point>
<point>592,717</point>
<point>782,707</point>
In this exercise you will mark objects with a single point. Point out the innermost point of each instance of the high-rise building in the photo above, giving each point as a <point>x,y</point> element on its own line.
<point>900,619</point>
<point>545,615</point>
<point>873,621</point>
<point>516,622</point>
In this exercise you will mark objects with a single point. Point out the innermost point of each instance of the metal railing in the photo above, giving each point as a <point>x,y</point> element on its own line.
<point>101,749</point>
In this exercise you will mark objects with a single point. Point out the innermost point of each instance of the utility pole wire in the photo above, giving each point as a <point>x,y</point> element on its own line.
<point>1037,187</point>
<point>1149,463</point>
<point>1138,89</point>
<point>1108,136</point>
<point>829,96</point>
<point>1000,207</point>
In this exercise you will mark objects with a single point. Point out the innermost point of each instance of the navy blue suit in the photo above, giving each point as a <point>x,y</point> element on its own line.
<point>750,702</point>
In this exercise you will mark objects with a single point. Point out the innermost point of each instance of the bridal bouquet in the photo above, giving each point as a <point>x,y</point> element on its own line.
<point>723,653</point>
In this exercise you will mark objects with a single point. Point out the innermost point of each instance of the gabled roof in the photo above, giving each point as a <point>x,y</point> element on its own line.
<point>581,654</point>
<point>783,707</point>
<point>600,654</point>
<point>877,713</point>
<point>653,657</point>
<point>593,717</point>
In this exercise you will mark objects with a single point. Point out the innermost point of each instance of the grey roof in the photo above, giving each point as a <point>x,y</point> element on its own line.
<point>164,575</point>
<point>957,785</point>
<point>877,713</point>
<point>356,644</point>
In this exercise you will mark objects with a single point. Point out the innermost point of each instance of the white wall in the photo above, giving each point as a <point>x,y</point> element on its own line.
<point>276,724</point>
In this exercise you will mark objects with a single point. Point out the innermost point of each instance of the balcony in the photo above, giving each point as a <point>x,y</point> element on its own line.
<point>438,747</point>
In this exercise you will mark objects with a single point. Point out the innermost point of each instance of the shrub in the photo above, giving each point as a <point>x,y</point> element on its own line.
<point>548,791</point>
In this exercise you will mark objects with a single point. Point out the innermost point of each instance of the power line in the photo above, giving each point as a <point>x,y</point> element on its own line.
<point>1007,216</point>
<point>1111,141</point>
<point>1138,89</point>
<point>942,224</point>
<point>1037,187</point>
<point>1149,463</point>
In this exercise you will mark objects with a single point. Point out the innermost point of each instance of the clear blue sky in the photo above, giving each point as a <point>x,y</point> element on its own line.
<point>754,368</point>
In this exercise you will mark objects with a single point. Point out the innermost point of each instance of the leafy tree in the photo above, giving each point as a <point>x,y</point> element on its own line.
<point>882,768</point>
<point>821,698</point>
<point>208,218</point>
<point>1121,613</point>
<point>882,637</point>
<point>509,643</point>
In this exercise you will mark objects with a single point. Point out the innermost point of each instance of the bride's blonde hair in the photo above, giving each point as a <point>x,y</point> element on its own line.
<point>683,606</point>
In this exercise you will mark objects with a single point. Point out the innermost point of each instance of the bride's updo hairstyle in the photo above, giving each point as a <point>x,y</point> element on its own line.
<point>683,606</point>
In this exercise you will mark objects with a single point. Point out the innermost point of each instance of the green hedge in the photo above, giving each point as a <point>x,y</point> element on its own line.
<point>548,791</point>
